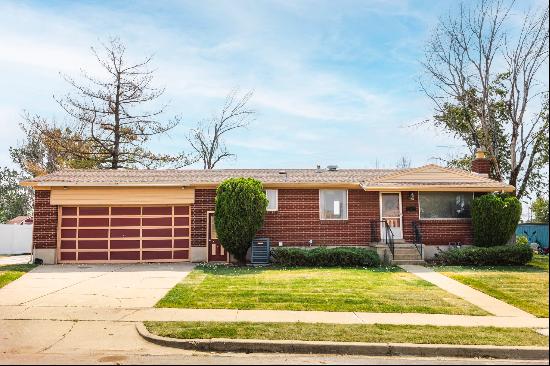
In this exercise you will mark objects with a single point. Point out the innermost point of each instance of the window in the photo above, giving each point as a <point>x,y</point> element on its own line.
<point>333,204</point>
<point>213,232</point>
<point>272,197</point>
<point>445,205</point>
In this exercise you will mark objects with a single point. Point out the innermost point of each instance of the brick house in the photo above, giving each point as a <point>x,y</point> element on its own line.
<point>94,216</point>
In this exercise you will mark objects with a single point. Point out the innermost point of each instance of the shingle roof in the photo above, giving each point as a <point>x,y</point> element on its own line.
<point>198,177</point>
<point>429,175</point>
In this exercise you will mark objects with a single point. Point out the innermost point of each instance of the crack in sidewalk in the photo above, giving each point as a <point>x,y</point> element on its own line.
<point>60,339</point>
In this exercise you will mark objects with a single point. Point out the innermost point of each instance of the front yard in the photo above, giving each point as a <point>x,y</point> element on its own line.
<point>9,273</point>
<point>371,333</point>
<point>524,287</point>
<point>327,289</point>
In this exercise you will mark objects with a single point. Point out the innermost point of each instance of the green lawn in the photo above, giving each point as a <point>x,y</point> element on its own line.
<point>327,289</point>
<point>12,272</point>
<point>525,287</point>
<point>372,333</point>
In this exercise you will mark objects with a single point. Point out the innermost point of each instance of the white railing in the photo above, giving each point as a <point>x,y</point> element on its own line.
<point>15,239</point>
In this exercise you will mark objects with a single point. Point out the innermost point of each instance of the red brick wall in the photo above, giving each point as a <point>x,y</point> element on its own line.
<point>441,232</point>
<point>204,202</point>
<point>297,220</point>
<point>44,235</point>
<point>408,215</point>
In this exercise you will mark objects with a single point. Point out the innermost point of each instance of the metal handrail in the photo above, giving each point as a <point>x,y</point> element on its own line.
<point>417,237</point>
<point>389,237</point>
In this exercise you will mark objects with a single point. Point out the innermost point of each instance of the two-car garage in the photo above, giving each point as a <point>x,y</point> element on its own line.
<point>124,233</point>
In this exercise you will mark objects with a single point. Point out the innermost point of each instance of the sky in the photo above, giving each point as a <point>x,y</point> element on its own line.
<point>335,82</point>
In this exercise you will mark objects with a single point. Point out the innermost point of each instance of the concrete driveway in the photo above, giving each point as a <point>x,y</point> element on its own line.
<point>95,285</point>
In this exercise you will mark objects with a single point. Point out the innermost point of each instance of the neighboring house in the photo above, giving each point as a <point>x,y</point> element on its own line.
<point>167,215</point>
<point>20,220</point>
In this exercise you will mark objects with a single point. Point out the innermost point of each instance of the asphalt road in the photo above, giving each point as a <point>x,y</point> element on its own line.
<point>195,358</point>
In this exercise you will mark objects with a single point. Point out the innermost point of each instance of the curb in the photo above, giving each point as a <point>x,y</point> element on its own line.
<point>346,348</point>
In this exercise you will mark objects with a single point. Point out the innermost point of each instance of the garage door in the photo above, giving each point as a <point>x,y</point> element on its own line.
<point>124,234</point>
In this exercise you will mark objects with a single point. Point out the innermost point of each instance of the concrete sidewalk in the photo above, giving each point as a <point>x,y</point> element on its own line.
<point>231,315</point>
<point>478,298</point>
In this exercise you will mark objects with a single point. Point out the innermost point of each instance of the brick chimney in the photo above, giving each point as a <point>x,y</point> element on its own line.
<point>481,165</point>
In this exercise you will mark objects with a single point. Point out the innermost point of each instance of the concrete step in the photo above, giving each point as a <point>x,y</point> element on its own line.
<point>406,250</point>
<point>407,261</point>
<point>407,257</point>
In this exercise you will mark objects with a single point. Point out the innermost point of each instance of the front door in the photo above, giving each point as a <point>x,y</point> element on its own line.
<point>390,210</point>
<point>216,253</point>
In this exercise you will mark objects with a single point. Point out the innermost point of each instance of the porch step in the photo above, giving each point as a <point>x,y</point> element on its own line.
<point>398,262</point>
<point>412,256</point>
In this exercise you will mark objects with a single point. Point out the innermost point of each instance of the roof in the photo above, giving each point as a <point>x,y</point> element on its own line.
<point>20,220</point>
<point>370,179</point>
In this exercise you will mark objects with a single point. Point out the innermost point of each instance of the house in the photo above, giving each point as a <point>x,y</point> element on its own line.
<point>91,216</point>
<point>20,220</point>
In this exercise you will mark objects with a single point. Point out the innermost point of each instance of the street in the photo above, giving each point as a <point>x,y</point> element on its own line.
<point>108,342</point>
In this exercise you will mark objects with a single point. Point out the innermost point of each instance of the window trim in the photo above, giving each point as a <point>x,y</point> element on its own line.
<point>276,199</point>
<point>442,218</point>
<point>347,207</point>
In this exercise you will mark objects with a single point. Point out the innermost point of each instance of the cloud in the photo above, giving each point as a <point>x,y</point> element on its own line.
<point>332,83</point>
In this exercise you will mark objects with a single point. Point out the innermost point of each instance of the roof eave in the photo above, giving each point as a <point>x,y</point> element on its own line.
<point>440,188</point>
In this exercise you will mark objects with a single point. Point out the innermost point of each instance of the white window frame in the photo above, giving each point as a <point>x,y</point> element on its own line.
<point>347,207</point>
<point>276,200</point>
<point>442,218</point>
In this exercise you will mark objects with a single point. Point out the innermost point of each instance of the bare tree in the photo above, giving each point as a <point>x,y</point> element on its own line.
<point>109,114</point>
<point>207,138</point>
<point>483,82</point>
<point>403,163</point>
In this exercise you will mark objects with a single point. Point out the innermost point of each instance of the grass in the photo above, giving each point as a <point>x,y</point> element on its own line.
<point>372,333</point>
<point>387,290</point>
<point>525,287</point>
<point>12,272</point>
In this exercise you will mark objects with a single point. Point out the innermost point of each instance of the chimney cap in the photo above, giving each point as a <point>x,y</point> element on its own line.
<point>480,153</point>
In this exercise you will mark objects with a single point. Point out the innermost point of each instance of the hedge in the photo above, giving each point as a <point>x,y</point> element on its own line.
<point>325,257</point>
<point>494,219</point>
<point>506,255</point>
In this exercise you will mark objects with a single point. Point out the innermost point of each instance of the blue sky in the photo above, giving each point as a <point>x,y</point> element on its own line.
<point>336,82</point>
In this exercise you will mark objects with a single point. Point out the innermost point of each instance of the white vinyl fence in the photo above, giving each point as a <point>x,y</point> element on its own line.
<point>15,239</point>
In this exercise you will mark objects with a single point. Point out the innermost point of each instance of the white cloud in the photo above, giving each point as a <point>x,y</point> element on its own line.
<point>309,112</point>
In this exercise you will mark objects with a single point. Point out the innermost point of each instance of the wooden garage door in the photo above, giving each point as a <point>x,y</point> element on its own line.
<point>124,234</point>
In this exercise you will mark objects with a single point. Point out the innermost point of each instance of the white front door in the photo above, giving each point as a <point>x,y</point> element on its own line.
<point>390,210</point>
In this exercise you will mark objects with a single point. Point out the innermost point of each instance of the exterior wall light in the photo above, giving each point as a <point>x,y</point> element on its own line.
<point>411,196</point>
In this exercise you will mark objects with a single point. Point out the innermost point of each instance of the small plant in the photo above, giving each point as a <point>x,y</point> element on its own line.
<point>507,255</point>
<point>325,257</point>
<point>240,209</point>
<point>494,219</point>
<point>522,240</point>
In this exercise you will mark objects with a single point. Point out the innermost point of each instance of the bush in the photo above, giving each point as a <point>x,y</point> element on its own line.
<point>506,255</point>
<point>325,257</point>
<point>240,209</point>
<point>522,240</point>
<point>494,219</point>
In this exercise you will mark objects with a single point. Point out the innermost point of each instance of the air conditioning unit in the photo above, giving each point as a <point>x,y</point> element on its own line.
<point>260,251</point>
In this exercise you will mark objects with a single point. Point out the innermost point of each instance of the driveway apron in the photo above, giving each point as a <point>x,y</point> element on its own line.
<point>95,285</point>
